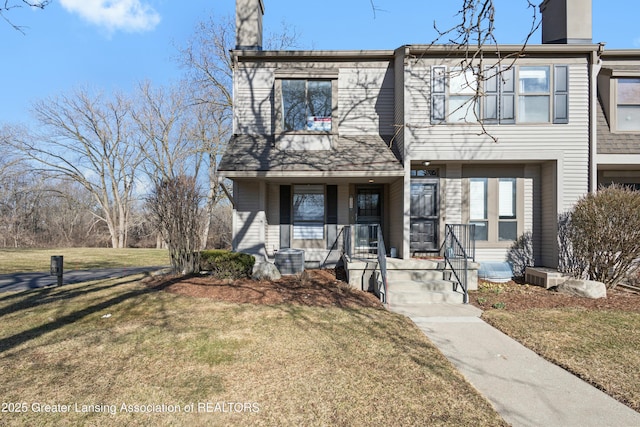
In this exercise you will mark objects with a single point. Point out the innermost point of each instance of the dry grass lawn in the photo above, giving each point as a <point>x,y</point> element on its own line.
<point>119,342</point>
<point>33,260</point>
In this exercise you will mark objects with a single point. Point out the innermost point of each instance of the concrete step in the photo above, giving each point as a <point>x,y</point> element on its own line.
<point>418,275</point>
<point>433,297</point>
<point>419,286</point>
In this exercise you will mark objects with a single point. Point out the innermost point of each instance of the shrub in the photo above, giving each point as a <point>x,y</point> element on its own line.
<point>604,232</point>
<point>520,254</point>
<point>226,264</point>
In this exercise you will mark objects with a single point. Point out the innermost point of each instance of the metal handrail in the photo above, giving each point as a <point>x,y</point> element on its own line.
<point>382,264</point>
<point>334,245</point>
<point>459,248</point>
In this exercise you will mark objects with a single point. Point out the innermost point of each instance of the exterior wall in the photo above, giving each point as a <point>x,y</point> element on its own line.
<point>396,216</point>
<point>550,211</point>
<point>365,96</point>
<point>365,100</point>
<point>249,218</point>
<point>253,100</point>
<point>315,251</point>
<point>399,106</point>
<point>562,149</point>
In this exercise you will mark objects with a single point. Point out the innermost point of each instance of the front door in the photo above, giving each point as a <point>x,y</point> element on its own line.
<point>425,207</point>
<point>368,216</point>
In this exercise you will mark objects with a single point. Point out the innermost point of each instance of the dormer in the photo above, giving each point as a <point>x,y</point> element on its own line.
<point>619,92</point>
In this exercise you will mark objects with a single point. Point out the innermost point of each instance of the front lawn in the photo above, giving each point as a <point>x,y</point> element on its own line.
<point>155,357</point>
<point>35,260</point>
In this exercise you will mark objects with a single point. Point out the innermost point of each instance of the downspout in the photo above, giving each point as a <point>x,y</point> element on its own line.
<point>596,65</point>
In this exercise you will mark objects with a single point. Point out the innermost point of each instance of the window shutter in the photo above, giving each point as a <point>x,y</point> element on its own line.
<point>285,216</point>
<point>490,113</point>
<point>561,94</point>
<point>438,88</point>
<point>508,96</point>
<point>332,204</point>
<point>332,215</point>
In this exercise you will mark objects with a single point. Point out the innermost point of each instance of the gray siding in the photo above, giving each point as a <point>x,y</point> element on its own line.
<point>250,220</point>
<point>253,100</point>
<point>396,215</point>
<point>399,107</point>
<point>365,101</point>
<point>549,231</point>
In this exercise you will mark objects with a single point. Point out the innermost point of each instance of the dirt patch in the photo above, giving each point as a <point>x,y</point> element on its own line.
<point>512,296</point>
<point>322,288</point>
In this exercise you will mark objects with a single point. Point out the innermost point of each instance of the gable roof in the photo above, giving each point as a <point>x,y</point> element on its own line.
<point>258,155</point>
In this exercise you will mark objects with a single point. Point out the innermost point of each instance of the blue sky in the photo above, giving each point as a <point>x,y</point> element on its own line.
<point>76,43</point>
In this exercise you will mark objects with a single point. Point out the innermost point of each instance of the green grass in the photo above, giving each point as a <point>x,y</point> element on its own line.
<point>600,346</point>
<point>113,342</point>
<point>33,260</point>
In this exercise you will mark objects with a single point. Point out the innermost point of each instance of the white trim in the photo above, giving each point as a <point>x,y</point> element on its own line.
<point>619,159</point>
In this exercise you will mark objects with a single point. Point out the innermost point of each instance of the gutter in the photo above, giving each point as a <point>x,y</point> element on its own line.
<point>596,66</point>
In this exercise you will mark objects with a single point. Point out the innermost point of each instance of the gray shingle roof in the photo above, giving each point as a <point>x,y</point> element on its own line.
<point>615,143</point>
<point>258,153</point>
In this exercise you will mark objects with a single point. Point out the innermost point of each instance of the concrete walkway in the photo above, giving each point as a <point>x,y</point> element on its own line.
<point>523,387</point>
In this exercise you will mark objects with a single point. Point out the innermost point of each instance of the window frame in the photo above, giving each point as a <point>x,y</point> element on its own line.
<point>308,229</point>
<point>492,212</point>
<point>280,75</point>
<point>502,96</point>
<point>617,103</point>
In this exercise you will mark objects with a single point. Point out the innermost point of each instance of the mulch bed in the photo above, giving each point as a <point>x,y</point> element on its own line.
<point>517,297</point>
<point>319,288</point>
<point>327,288</point>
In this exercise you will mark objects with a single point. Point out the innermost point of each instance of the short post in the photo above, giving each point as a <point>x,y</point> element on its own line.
<point>57,265</point>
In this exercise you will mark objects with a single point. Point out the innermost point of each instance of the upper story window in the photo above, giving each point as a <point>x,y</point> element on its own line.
<point>306,105</point>
<point>628,104</point>
<point>524,94</point>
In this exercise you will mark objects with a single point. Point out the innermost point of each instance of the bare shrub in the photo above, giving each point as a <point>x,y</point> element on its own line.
<point>520,254</point>
<point>176,206</point>
<point>604,233</point>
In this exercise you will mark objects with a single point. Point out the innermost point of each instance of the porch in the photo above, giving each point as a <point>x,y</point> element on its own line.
<point>445,277</point>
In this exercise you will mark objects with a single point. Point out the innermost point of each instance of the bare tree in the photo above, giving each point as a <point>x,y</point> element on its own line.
<point>175,206</point>
<point>162,121</point>
<point>210,75</point>
<point>8,5</point>
<point>87,139</point>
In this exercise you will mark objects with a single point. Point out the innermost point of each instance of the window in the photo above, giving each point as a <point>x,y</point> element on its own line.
<point>493,209</point>
<point>524,94</point>
<point>461,105</point>
<point>306,105</point>
<point>533,90</point>
<point>308,211</point>
<point>478,207</point>
<point>628,104</point>
<point>507,222</point>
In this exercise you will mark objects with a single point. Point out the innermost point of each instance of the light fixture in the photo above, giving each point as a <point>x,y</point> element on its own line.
<point>426,163</point>
<point>371,181</point>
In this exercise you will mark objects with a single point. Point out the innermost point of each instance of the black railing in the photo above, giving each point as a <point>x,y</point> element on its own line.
<point>459,248</point>
<point>366,241</point>
<point>361,240</point>
<point>382,265</point>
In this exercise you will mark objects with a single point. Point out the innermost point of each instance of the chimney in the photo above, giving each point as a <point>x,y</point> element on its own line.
<point>249,24</point>
<point>566,21</point>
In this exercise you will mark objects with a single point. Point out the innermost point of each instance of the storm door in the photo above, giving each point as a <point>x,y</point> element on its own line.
<point>425,207</point>
<point>368,217</point>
